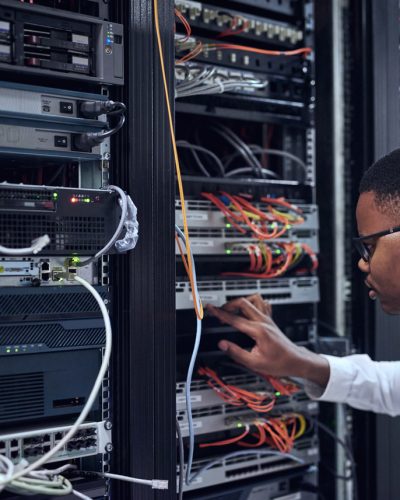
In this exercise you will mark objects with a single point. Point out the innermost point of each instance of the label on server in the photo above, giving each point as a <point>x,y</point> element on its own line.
<point>201,243</point>
<point>193,399</point>
<point>81,39</point>
<point>194,217</point>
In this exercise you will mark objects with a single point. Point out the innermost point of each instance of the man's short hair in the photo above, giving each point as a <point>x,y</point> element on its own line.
<point>383,179</point>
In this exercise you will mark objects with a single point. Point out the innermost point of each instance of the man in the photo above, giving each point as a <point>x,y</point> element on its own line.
<point>356,380</point>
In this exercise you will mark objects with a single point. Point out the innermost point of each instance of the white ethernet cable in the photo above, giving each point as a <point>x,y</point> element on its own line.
<point>7,479</point>
<point>189,375</point>
<point>37,245</point>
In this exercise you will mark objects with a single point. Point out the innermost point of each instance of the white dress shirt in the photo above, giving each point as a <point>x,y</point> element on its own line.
<point>361,383</point>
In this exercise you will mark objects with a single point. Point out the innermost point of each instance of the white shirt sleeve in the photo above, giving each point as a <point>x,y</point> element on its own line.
<point>361,383</point>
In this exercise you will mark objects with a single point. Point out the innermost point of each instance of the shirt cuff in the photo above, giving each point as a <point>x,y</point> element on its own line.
<point>339,384</point>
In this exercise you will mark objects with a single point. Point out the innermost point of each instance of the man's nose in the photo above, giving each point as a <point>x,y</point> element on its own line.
<point>363,266</point>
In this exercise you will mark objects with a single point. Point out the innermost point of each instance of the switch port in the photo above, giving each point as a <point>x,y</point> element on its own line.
<point>66,108</point>
<point>60,141</point>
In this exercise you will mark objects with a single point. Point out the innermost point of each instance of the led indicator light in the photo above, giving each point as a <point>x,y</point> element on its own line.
<point>8,350</point>
<point>277,393</point>
<point>278,252</point>
<point>16,349</point>
<point>229,225</point>
<point>55,195</point>
<point>239,424</point>
<point>288,226</point>
<point>228,252</point>
<point>74,200</point>
<point>75,260</point>
<point>87,200</point>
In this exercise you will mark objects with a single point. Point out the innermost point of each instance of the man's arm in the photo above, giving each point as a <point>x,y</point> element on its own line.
<point>355,380</point>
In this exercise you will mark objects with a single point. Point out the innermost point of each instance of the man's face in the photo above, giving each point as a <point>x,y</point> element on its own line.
<point>383,269</point>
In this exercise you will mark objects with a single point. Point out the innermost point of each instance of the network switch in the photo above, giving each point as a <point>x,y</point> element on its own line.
<point>22,102</point>
<point>77,221</point>
<point>203,214</point>
<point>31,444</point>
<point>285,7</point>
<point>276,291</point>
<point>270,89</point>
<point>204,16</point>
<point>246,466</point>
<point>293,67</point>
<point>203,396</point>
<point>222,416</point>
<point>60,44</point>
<point>295,485</point>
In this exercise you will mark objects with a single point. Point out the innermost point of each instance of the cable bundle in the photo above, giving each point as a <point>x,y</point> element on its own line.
<point>246,217</point>
<point>270,260</point>
<point>260,402</point>
<point>196,79</point>
<point>278,432</point>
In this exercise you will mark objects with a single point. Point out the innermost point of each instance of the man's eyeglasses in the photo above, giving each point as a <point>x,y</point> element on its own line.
<point>364,248</point>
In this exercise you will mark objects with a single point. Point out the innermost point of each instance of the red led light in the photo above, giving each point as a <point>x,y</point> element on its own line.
<point>74,200</point>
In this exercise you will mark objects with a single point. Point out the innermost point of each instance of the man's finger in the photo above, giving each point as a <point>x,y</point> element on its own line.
<point>245,307</point>
<point>242,324</point>
<point>260,303</point>
<point>235,352</point>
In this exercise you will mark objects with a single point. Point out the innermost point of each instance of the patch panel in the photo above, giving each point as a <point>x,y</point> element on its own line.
<point>285,7</point>
<point>90,439</point>
<point>225,241</point>
<point>203,214</point>
<point>249,466</point>
<point>42,103</point>
<point>220,417</point>
<point>201,15</point>
<point>39,41</point>
<point>271,89</point>
<point>202,395</point>
<point>35,271</point>
<point>293,67</point>
<point>276,291</point>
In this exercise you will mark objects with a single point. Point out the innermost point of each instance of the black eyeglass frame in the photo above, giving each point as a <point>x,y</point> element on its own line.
<point>363,249</point>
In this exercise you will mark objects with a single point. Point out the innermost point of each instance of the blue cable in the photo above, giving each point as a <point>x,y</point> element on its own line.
<point>189,375</point>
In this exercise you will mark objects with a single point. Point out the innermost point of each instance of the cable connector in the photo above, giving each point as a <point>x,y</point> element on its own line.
<point>159,484</point>
<point>93,109</point>
<point>39,243</point>
<point>86,141</point>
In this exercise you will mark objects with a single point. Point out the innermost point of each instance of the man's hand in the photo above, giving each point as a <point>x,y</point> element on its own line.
<point>273,353</point>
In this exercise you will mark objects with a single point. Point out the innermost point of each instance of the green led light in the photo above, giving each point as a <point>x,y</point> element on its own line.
<point>8,350</point>
<point>239,424</point>
<point>228,225</point>
<point>288,226</point>
<point>55,195</point>
<point>87,200</point>
<point>278,252</point>
<point>274,225</point>
<point>16,349</point>
<point>75,260</point>
<point>228,252</point>
<point>277,393</point>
